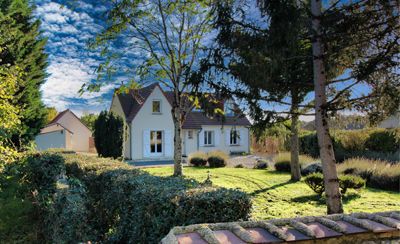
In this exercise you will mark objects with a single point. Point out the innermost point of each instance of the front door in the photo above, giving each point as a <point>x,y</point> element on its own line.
<point>156,143</point>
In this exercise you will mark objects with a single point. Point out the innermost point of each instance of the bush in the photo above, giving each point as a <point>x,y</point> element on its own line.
<point>377,173</point>
<point>198,159</point>
<point>282,166</point>
<point>316,182</point>
<point>311,168</point>
<point>384,141</point>
<point>261,165</point>
<point>369,143</point>
<point>109,127</point>
<point>129,205</point>
<point>217,159</point>
<point>350,182</point>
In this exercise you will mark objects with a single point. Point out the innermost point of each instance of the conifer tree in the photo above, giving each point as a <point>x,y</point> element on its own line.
<point>26,50</point>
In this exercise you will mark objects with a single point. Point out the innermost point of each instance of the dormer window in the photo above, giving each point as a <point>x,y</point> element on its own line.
<point>229,107</point>
<point>156,107</point>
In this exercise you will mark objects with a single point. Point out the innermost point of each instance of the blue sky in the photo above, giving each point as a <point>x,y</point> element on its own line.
<point>68,29</point>
<point>71,64</point>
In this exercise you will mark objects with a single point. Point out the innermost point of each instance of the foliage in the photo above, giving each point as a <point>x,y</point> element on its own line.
<point>106,200</point>
<point>9,113</point>
<point>89,120</point>
<point>51,114</point>
<point>316,182</point>
<point>217,159</point>
<point>377,173</point>
<point>66,219</point>
<point>350,182</point>
<point>275,196</point>
<point>18,222</point>
<point>198,159</point>
<point>109,127</point>
<point>22,46</point>
<point>261,165</point>
<point>364,143</point>
<point>282,161</point>
<point>169,37</point>
<point>311,168</point>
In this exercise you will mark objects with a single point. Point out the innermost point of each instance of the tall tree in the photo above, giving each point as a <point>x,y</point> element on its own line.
<point>274,65</point>
<point>26,50</point>
<point>170,36</point>
<point>9,83</point>
<point>362,38</point>
<point>89,119</point>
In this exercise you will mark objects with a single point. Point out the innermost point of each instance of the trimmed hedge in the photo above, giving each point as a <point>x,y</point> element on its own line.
<point>198,159</point>
<point>104,200</point>
<point>370,143</point>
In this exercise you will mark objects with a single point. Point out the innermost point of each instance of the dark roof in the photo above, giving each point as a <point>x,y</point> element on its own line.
<point>337,228</point>
<point>133,101</point>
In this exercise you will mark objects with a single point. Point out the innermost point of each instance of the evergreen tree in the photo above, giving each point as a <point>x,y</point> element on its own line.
<point>109,135</point>
<point>26,50</point>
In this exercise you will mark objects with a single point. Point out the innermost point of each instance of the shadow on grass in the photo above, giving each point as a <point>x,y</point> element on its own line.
<point>259,191</point>
<point>320,200</point>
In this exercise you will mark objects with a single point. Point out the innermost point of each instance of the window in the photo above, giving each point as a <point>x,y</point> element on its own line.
<point>208,138</point>
<point>190,134</point>
<point>156,141</point>
<point>156,106</point>
<point>234,137</point>
<point>229,107</point>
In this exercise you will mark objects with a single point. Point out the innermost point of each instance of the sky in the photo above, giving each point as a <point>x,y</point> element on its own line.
<point>71,64</point>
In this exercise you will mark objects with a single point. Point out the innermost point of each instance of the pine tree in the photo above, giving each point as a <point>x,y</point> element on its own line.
<point>26,50</point>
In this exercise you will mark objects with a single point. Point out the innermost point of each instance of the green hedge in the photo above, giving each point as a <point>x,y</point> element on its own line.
<point>104,200</point>
<point>369,143</point>
<point>316,182</point>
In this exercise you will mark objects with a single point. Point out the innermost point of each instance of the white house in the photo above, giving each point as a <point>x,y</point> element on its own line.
<point>65,131</point>
<point>147,112</point>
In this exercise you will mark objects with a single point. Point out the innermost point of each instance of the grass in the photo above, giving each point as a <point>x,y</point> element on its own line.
<point>274,196</point>
<point>303,159</point>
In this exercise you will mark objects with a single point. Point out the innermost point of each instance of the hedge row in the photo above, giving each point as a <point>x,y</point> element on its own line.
<point>104,200</point>
<point>368,143</point>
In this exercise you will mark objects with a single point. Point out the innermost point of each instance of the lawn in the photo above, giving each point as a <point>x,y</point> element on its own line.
<point>274,196</point>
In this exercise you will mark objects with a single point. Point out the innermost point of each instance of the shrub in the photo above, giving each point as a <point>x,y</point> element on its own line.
<point>217,159</point>
<point>282,161</point>
<point>384,141</point>
<point>369,143</point>
<point>311,168</point>
<point>141,208</point>
<point>198,159</point>
<point>109,127</point>
<point>239,166</point>
<point>350,182</point>
<point>377,173</point>
<point>316,182</point>
<point>282,166</point>
<point>261,165</point>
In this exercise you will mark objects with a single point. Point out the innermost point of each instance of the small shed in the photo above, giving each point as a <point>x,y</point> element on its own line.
<point>65,131</point>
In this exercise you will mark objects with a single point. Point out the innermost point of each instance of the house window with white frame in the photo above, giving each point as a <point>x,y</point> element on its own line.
<point>156,107</point>
<point>234,137</point>
<point>208,138</point>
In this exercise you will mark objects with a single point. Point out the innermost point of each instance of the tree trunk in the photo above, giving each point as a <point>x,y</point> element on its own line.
<point>333,196</point>
<point>177,117</point>
<point>294,147</point>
